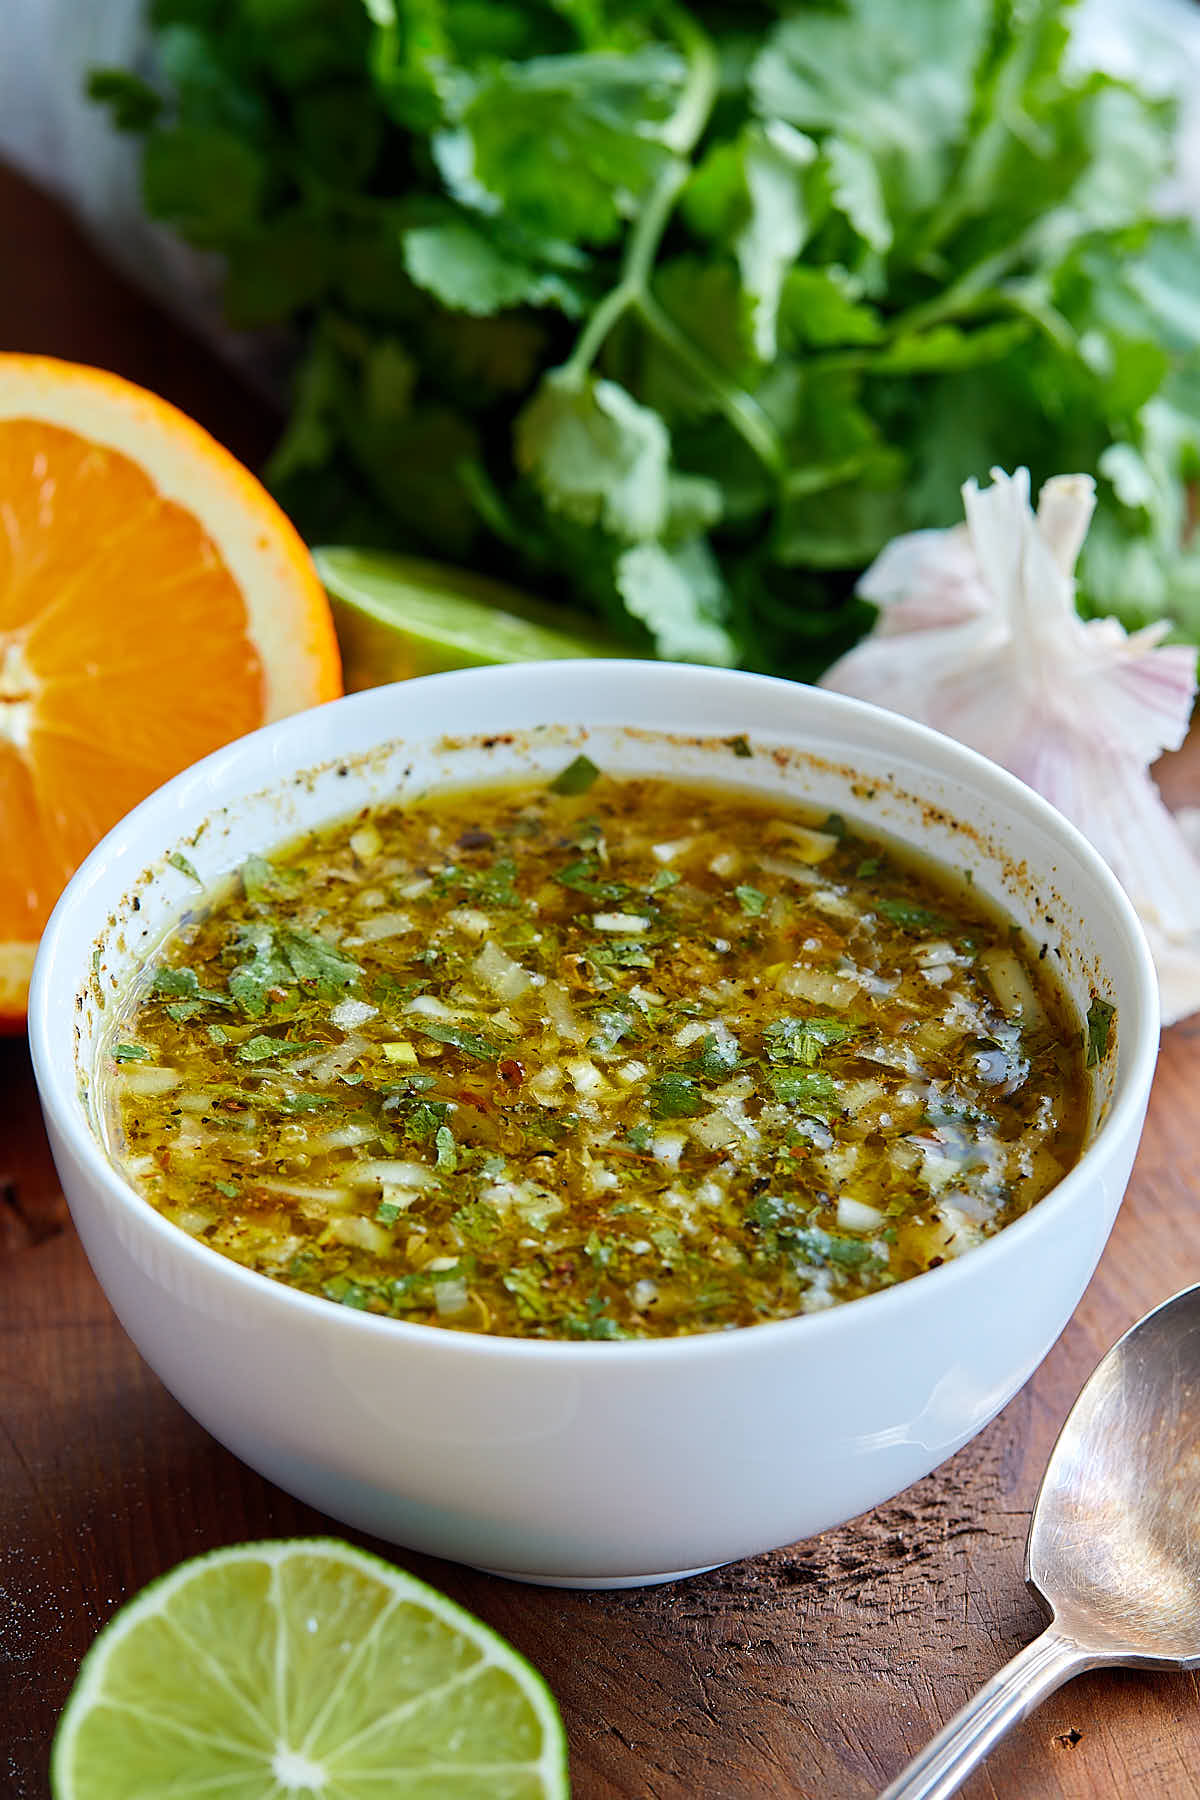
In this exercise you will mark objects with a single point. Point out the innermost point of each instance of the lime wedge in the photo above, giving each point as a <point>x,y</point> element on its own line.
<point>398,616</point>
<point>304,1668</point>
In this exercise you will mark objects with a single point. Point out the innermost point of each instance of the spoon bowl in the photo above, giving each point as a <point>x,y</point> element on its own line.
<point>1113,1548</point>
<point>1113,1553</point>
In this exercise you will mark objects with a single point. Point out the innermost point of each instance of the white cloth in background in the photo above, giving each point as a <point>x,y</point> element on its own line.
<point>66,143</point>
<point>48,127</point>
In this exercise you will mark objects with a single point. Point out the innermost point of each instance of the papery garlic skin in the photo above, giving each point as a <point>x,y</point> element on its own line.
<point>978,636</point>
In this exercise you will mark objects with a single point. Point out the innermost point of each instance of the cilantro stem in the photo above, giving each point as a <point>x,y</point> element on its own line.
<point>639,259</point>
<point>1008,119</point>
<point>964,295</point>
<point>741,410</point>
<point>813,478</point>
<point>632,293</point>
<point>680,134</point>
<point>685,127</point>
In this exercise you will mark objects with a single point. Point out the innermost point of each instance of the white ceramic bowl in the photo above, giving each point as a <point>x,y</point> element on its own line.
<point>591,1464</point>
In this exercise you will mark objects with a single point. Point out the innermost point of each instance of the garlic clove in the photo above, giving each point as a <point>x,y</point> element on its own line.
<point>979,637</point>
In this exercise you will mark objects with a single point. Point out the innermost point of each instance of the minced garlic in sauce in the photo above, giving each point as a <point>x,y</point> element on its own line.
<point>598,1059</point>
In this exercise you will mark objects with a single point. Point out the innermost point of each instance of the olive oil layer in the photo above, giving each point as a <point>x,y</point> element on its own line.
<point>600,1059</point>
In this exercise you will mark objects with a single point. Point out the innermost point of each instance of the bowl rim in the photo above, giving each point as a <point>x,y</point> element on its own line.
<point>212,777</point>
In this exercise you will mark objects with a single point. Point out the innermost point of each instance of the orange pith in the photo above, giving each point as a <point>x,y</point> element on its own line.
<point>154,604</point>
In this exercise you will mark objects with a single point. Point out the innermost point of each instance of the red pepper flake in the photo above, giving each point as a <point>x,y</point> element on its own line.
<point>510,1069</point>
<point>468,1097</point>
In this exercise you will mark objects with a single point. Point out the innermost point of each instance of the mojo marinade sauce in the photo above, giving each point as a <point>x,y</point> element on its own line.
<point>594,1059</point>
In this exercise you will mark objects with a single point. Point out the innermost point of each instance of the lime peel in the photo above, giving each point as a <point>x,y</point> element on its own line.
<point>400,616</point>
<point>304,1667</point>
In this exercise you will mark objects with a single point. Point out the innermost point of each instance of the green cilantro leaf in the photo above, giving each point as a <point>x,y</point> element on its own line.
<point>768,1212</point>
<point>496,886</point>
<point>565,143</point>
<point>813,1245</point>
<point>576,778</point>
<point>525,1285</point>
<point>594,1322</point>
<point>264,881</point>
<point>611,1025</point>
<point>181,1010</point>
<point>621,953</point>
<point>793,1040</point>
<point>478,1221</point>
<point>348,1292</point>
<point>179,861</point>
<point>584,877</point>
<point>193,999</point>
<point>675,1096</point>
<point>471,271</point>
<point>471,1043</point>
<point>679,594</point>
<point>596,455</point>
<point>910,916</point>
<point>754,193</point>
<point>600,1250</point>
<point>812,1091</point>
<point>666,1241</point>
<point>182,983</point>
<point>424,1120</point>
<point>313,959</point>
<point>264,969</point>
<point>263,1048</point>
<point>132,103</point>
<point>408,1293</point>
<point>207,180</point>
<point>719,1054</point>
<point>1100,1015</point>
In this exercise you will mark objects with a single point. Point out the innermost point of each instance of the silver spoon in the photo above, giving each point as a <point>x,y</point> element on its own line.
<point>1113,1553</point>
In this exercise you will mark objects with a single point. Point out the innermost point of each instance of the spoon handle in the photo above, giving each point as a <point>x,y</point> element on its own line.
<point>1008,1697</point>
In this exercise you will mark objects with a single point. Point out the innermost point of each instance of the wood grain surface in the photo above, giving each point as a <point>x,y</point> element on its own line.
<point>812,1672</point>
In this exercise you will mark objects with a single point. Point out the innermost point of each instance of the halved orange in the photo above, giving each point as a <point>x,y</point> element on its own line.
<point>154,604</point>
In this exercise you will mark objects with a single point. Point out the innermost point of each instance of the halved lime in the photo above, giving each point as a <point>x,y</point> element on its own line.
<point>304,1668</point>
<point>398,616</point>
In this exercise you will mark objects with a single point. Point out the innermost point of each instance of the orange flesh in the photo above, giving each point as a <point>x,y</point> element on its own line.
<point>124,656</point>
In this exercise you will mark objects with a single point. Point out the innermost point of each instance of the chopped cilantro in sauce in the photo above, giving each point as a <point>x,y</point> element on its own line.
<point>596,1059</point>
<point>576,778</point>
<point>1099,1019</point>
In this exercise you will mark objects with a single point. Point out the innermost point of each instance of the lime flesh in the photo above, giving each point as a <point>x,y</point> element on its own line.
<point>304,1670</point>
<point>399,616</point>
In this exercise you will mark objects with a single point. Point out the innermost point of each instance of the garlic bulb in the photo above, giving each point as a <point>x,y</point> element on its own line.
<point>978,636</point>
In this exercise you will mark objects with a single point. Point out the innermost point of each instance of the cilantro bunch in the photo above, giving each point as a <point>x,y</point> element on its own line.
<point>682,311</point>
